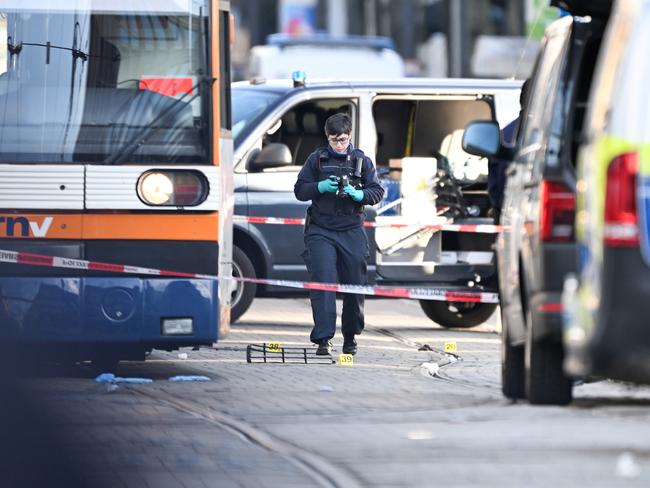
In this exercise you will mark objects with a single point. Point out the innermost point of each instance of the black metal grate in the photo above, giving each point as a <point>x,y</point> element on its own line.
<point>261,353</point>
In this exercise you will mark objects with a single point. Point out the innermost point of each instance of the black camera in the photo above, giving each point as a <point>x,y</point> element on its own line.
<point>343,181</point>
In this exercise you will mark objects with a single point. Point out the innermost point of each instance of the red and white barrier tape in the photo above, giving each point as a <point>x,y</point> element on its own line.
<point>480,228</point>
<point>386,291</point>
<point>71,263</point>
<point>383,291</point>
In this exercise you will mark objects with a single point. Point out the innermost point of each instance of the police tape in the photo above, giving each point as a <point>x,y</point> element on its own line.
<point>479,228</point>
<point>420,293</point>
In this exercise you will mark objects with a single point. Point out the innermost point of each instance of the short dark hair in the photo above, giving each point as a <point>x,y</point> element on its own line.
<point>338,123</point>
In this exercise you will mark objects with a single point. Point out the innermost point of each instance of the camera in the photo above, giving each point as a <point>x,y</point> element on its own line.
<point>343,181</point>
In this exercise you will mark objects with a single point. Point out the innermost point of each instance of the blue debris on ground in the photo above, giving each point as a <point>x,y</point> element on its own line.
<point>189,378</point>
<point>111,378</point>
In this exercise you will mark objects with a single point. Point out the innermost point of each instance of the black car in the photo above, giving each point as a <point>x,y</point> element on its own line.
<point>537,246</point>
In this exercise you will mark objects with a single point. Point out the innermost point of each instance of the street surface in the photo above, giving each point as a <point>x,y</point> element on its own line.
<point>386,421</point>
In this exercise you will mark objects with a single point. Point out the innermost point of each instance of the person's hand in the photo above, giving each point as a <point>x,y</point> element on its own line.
<point>353,193</point>
<point>329,185</point>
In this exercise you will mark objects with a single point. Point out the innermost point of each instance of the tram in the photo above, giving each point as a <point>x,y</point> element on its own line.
<point>115,147</point>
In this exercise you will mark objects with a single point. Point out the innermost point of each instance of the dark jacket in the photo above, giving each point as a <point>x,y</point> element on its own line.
<point>327,210</point>
<point>497,166</point>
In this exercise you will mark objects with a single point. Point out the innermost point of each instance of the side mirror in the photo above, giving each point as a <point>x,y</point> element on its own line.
<point>482,138</point>
<point>274,155</point>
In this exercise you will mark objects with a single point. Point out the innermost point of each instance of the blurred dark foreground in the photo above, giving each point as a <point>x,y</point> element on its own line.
<point>34,451</point>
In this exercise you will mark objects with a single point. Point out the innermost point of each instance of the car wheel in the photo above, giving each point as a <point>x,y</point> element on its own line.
<point>512,365</point>
<point>457,314</point>
<point>243,293</point>
<point>546,383</point>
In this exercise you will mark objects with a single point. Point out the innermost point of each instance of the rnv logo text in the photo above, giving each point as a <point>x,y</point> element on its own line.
<point>20,227</point>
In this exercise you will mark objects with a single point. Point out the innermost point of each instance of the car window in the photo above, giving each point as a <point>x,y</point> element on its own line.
<point>631,118</point>
<point>609,77</point>
<point>538,113</point>
<point>248,107</point>
<point>302,128</point>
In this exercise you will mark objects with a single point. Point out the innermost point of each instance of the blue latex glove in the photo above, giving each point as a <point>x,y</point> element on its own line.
<point>329,185</point>
<point>353,193</point>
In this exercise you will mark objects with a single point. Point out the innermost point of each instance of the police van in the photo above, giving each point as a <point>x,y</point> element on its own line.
<point>412,129</point>
<point>320,55</point>
<point>606,327</point>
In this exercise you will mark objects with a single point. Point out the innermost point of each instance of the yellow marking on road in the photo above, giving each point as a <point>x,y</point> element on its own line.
<point>345,360</point>
<point>450,346</point>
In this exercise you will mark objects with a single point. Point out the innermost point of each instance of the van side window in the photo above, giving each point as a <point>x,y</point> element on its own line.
<point>303,127</point>
<point>543,92</point>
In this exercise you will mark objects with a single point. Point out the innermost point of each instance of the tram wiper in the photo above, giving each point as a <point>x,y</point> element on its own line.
<point>136,141</point>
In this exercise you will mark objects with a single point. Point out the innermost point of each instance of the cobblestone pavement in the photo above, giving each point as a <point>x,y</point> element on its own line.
<point>385,421</point>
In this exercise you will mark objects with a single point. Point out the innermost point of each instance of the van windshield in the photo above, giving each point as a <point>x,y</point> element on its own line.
<point>248,107</point>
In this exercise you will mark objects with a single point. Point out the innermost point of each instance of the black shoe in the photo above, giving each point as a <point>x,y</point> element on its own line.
<point>324,348</point>
<point>349,346</point>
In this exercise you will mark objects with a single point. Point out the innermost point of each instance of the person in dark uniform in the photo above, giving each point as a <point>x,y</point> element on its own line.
<point>339,180</point>
<point>497,166</point>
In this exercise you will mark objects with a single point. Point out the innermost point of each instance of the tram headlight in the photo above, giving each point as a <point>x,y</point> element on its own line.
<point>178,188</point>
<point>156,188</point>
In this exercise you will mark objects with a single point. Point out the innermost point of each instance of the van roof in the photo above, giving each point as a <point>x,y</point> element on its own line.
<point>325,40</point>
<point>416,84</point>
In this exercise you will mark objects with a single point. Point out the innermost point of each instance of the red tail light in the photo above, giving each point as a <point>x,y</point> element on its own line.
<point>621,228</point>
<point>557,212</point>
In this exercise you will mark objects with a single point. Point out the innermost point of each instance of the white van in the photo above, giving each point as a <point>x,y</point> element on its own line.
<point>412,129</point>
<point>326,57</point>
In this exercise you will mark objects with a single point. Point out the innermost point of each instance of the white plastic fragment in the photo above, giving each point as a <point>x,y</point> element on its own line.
<point>182,355</point>
<point>627,466</point>
<point>429,369</point>
<point>326,388</point>
<point>419,435</point>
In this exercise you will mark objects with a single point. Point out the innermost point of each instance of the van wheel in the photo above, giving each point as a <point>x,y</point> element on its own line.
<point>243,293</point>
<point>513,371</point>
<point>457,314</point>
<point>546,383</point>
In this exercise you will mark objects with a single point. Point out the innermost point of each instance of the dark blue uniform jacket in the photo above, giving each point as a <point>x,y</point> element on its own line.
<point>327,210</point>
<point>497,167</point>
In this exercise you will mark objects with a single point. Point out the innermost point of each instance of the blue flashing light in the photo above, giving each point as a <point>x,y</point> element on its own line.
<point>298,78</point>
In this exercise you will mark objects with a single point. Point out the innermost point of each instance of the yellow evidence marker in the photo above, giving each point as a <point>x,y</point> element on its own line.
<point>450,346</point>
<point>274,347</point>
<point>345,360</point>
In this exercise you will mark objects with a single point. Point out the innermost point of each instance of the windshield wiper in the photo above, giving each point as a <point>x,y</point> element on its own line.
<point>136,141</point>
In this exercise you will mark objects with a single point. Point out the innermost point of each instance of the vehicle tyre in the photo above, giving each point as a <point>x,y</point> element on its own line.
<point>457,314</point>
<point>513,367</point>
<point>243,293</point>
<point>546,383</point>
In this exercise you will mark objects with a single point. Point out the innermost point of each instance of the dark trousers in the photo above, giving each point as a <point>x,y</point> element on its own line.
<point>336,257</point>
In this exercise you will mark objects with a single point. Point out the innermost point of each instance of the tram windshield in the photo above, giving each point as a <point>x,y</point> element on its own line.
<point>104,81</point>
